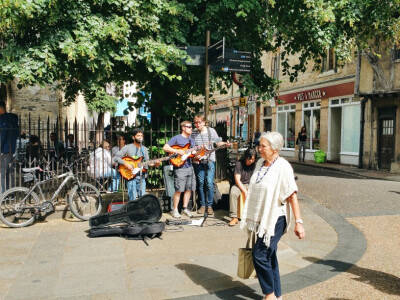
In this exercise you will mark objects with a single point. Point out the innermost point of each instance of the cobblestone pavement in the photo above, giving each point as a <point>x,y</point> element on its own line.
<point>350,252</point>
<point>373,206</point>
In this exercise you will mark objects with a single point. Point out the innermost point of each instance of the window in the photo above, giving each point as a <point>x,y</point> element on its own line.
<point>396,53</point>
<point>267,111</point>
<point>329,61</point>
<point>285,124</point>
<point>350,123</point>
<point>311,119</point>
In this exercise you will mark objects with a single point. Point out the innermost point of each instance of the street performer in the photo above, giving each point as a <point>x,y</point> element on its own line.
<point>205,136</point>
<point>184,178</point>
<point>137,185</point>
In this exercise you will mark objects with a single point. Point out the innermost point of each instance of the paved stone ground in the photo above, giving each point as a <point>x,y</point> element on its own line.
<point>351,251</point>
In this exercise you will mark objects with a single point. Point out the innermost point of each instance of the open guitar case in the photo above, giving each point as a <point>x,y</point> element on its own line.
<point>138,220</point>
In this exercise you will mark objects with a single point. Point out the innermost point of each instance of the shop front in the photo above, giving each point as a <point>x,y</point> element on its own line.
<point>331,116</point>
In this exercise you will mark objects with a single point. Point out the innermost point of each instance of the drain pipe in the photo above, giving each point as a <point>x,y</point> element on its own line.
<point>362,121</point>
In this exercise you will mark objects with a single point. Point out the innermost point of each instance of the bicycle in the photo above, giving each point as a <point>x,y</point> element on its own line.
<point>20,206</point>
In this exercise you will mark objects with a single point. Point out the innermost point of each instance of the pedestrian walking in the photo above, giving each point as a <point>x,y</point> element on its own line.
<point>267,212</point>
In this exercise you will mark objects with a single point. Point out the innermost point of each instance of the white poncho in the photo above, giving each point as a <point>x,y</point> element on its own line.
<point>266,200</point>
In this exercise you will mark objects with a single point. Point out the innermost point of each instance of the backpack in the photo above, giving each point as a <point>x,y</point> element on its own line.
<point>135,220</point>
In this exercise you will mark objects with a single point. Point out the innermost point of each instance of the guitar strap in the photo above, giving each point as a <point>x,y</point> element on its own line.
<point>209,138</point>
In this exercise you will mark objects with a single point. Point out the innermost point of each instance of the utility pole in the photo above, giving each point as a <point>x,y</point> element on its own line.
<point>207,78</point>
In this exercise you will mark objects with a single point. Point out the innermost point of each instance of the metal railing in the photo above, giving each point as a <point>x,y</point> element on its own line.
<point>50,145</point>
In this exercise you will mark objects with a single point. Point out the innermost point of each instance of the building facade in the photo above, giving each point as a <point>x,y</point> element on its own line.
<point>378,84</point>
<point>324,102</point>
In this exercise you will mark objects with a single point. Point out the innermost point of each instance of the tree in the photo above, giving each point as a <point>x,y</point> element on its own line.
<point>85,44</point>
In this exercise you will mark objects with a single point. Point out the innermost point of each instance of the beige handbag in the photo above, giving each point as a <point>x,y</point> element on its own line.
<point>245,259</point>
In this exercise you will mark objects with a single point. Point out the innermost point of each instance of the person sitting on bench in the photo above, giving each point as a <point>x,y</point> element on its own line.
<point>244,168</point>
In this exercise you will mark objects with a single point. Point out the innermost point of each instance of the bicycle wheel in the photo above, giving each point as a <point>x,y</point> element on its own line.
<point>85,206</point>
<point>14,210</point>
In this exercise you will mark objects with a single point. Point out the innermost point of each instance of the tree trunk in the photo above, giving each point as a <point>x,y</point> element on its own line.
<point>378,71</point>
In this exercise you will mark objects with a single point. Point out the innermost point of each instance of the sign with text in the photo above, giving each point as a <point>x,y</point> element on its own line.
<point>234,61</point>
<point>216,52</point>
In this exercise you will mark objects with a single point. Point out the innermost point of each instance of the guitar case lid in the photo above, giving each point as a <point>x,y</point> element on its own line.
<point>145,210</point>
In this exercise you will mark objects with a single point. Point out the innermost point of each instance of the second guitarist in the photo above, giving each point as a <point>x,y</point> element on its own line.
<point>136,186</point>
<point>184,178</point>
<point>204,136</point>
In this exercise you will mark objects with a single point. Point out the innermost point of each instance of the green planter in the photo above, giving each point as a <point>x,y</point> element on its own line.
<point>319,156</point>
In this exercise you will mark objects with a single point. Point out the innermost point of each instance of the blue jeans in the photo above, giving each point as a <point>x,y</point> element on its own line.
<point>266,262</point>
<point>115,179</point>
<point>200,170</point>
<point>134,189</point>
<point>302,147</point>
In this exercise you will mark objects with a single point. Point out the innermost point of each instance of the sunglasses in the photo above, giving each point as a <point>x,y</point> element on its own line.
<point>188,126</point>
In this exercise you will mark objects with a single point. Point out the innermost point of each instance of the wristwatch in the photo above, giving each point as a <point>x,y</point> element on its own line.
<point>299,221</point>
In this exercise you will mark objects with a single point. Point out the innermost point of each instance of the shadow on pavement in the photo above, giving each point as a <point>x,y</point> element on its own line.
<point>384,282</point>
<point>210,279</point>
<point>315,171</point>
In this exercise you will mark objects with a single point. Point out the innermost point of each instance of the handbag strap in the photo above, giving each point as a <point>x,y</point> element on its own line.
<point>251,241</point>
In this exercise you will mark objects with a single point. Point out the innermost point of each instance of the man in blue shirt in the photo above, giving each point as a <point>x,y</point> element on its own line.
<point>184,178</point>
<point>9,133</point>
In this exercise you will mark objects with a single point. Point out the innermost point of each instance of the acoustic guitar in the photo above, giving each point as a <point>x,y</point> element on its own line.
<point>206,152</point>
<point>189,152</point>
<point>138,165</point>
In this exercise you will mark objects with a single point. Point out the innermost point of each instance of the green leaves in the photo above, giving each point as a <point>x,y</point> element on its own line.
<point>86,44</point>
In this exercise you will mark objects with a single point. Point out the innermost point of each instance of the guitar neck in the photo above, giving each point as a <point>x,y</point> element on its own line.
<point>146,163</point>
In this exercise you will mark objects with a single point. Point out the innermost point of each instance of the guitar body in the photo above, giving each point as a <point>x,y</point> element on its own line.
<point>125,172</point>
<point>180,160</point>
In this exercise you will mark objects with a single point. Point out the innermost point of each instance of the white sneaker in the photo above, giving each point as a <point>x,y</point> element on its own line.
<point>175,214</point>
<point>187,212</point>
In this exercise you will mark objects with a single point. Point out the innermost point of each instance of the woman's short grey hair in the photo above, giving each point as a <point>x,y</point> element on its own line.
<point>274,138</point>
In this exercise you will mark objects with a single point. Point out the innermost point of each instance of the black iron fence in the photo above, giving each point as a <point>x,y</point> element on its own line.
<point>52,145</point>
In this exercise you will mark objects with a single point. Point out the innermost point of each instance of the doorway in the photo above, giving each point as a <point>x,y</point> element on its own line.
<point>386,138</point>
<point>335,133</point>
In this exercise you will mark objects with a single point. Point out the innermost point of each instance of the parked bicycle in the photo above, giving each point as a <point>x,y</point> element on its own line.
<point>20,206</point>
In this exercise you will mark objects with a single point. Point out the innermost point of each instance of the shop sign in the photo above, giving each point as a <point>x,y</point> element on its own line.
<point>242,102</point>
<point>311,95</point>
<point>242,115</point>
<point>251,106</point>
<point>316,94</point>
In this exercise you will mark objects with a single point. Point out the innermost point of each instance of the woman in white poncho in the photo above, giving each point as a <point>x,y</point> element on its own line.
<point>267,213</point>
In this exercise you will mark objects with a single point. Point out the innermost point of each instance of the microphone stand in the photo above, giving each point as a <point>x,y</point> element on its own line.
<point>140,174</point>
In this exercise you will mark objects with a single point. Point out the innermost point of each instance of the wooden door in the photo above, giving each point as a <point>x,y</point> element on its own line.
<point>386,142</point>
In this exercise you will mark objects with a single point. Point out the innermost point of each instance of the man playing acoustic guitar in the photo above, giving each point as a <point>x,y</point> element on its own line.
<point>206,136</point>
<point>137,185</point>
<point>184,179</point>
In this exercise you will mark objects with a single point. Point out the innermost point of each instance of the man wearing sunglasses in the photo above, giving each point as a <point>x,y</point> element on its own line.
<point>184,178</point>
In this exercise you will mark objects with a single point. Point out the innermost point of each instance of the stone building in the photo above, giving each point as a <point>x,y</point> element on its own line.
<point>378,84</point>
<point>322,101</point>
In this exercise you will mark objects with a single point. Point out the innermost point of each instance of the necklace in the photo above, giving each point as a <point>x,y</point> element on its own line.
<point>265,172</point>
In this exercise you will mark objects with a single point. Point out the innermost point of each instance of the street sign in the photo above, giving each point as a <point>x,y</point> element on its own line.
<point>234,61</point>
<point>216,52</point>
<point>197,55</point>
<point>221,59</point>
